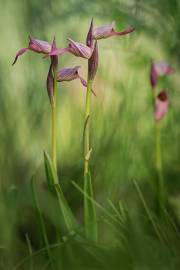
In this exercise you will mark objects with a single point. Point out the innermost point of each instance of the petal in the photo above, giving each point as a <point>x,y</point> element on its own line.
<point>124,32</point>
<point>39,46</point>
<point>89,38</point>
<point>108,31</point>
<point>163,69</point>
<point>104,31</point>
<point>79,49</point>
<point>83,81</point>
<point>57,52</point>
<point>161,105</point>
<point>20,52</point>
<point>93,63</point>
<point>68,74</point>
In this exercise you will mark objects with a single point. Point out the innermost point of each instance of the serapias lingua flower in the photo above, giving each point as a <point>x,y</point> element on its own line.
<point>75,48</point>
<point>158,70</point>
<point>69,74</point>
<point>39,46</point>
<point>106,31</point>
<point>161,105</point>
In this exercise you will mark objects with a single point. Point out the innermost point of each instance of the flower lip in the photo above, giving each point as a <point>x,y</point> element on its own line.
<point>105,31</point>
<point>70,74</point>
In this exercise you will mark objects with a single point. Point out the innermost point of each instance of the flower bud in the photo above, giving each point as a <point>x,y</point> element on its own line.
<point>50,84</point>
<point>89,38</point>
<point>93,63</point>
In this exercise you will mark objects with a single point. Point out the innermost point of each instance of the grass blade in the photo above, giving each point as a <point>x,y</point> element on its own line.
<point>42,224</point>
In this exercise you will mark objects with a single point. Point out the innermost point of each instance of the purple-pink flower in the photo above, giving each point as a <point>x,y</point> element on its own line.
<point>75,48</point>
<point>79,49</point>
<point>105,31</point>
<point>161,105</point>
<point>157,70</point>
<point>38,46</point>
<point>69,74</point>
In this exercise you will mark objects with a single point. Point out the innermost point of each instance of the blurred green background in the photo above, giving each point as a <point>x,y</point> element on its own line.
<point>122,118</point>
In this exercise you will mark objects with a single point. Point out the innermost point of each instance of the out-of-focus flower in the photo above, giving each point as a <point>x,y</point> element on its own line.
<point>106,31</point>
<point>161,105</point>
<point>157,70</point>
<point>38,46</point>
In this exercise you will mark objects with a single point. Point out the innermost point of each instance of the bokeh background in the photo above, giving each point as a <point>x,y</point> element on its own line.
<point>122,117</point>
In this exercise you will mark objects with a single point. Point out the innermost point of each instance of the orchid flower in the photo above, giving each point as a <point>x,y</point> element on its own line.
<point>75,48</point>
<point>161,105</point>
<point>106,31</point>
<point>39,46</point>
<point>157,70</point>
<point>69,74</point>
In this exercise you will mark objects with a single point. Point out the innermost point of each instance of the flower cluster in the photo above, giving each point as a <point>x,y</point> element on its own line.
<point>161,101</point>
<point>88,51</point>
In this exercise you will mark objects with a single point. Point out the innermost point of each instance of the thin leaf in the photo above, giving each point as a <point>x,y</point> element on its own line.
<point>53,183</point>
<point>50,173</point>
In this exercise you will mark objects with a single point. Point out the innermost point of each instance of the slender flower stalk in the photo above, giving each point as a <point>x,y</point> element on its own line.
<point>86,143</point>
<point>94,34</point>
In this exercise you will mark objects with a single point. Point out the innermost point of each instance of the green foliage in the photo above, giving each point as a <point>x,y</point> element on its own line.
<point>130,235</point>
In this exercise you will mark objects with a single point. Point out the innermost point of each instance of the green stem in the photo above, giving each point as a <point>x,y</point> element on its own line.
<point>86,137</point>
<point>158,160</point>
<point>160,183</point>
<point>54,124</point>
